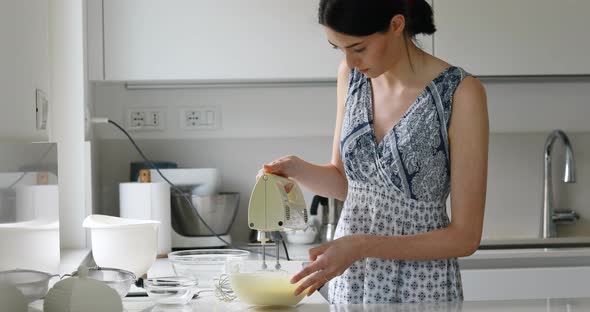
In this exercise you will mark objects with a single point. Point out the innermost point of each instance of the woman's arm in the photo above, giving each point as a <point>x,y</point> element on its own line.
<point>468,136</point>
<point>327,180</point>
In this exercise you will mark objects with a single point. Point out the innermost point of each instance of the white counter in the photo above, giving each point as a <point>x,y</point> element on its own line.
<point>210,304</point>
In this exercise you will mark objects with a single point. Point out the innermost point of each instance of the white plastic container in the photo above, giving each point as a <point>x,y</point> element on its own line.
<point>32,245</point>
<point>121,243</point>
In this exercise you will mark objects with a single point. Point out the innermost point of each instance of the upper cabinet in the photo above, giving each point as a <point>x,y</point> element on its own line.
<point>514,37</point>
<point>210,40</point>
<point>24,69</point>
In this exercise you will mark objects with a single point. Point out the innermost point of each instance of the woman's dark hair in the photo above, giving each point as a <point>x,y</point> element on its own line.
<point>366,17</point>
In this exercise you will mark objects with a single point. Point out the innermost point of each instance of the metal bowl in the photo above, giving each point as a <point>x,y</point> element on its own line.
<point>219,212</point>
<point>32,284</point>
<point>119,280</point>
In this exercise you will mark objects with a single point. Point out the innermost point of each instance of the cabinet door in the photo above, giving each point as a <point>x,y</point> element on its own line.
<point>24,67</point>
<point>216,39</point>
<point>525,283</point>
<point>514,37</point>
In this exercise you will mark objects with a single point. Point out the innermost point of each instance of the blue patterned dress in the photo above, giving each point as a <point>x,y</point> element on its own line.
<point>397,187</point>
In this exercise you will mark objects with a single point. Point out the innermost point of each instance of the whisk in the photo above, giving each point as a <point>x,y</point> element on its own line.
<point>223,290</point>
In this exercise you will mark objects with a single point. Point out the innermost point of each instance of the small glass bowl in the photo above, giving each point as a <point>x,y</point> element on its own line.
<point>171,289</point>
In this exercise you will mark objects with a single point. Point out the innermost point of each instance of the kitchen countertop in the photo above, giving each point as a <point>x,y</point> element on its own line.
<point>552,242</point>
<point>208,302</point>
<point>310,304</point>
<point>316,302</point>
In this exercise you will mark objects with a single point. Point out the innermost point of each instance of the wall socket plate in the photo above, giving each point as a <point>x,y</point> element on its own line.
<point>146,119</point>
<point>200,118</point>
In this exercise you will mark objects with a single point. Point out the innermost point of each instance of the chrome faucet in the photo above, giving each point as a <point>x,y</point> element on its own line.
<point>550,215</point>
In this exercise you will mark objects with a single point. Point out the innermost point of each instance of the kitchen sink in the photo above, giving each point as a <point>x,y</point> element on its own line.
<point>526,243</point>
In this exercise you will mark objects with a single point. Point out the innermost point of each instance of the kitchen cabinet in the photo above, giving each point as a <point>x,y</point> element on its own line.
<point>525,283</point>
<point>24,68</point>
<point>210,40</point>
<point>213,40</point>
<point>514,37</point>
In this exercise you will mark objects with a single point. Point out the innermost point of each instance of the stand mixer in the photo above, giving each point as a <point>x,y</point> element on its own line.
<point>276,204</point>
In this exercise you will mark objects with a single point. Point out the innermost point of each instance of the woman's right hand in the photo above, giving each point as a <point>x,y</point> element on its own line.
<point>287,166</point>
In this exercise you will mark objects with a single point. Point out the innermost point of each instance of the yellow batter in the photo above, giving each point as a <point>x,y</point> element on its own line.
<point>265,288</point>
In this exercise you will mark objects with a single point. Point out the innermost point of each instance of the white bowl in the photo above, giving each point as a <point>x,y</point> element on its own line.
<point>301,237</point>
<point>121,243</point>
<point>32,245</point>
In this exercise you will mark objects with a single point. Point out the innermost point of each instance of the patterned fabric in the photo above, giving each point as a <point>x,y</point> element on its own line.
<point>397,187</point>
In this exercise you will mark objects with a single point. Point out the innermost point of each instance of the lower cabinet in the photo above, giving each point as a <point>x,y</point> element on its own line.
<point>526,283</point>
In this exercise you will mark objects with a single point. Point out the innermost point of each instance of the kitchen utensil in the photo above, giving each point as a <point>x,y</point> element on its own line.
<point>12,299</point>
<point>198,186</point>
<point>264,287</point>
<point>126,244</point>
<point>171,289</point>
<point>307,236</point>
<point>276,204</point>
<point>119,280</point>
<point>204,264</point>
<point>32,284</point>
<point>32,245</point>
<point>82,294</point>
<point>223,290</point>
<point>217,210</point>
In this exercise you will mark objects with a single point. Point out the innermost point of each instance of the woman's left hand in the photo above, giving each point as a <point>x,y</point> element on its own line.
<point>329,260</point>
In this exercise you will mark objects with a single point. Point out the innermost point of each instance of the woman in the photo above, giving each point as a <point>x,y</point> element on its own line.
<point>410,130</point>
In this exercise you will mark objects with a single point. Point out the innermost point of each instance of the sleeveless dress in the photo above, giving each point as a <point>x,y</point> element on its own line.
<point>397,187</point>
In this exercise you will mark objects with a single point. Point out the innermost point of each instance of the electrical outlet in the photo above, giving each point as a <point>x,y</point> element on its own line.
<point>200,118</point>
<point>153,119</point>
<point>146,119</point>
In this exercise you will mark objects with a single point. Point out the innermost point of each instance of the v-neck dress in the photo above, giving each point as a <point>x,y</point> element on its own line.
<point>397,187</point>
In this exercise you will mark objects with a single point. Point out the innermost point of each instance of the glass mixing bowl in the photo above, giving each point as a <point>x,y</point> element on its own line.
<point>269,287</point>
<point>204,265</point>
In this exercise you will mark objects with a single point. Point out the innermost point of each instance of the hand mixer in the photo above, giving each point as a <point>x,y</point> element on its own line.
<point>276,204</point>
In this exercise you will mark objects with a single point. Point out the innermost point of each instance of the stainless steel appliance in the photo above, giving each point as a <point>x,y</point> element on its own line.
<point>218,210</point>
<point>329,213</point>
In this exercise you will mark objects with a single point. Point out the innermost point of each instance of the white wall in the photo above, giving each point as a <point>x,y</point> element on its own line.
<point>260,124</point>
